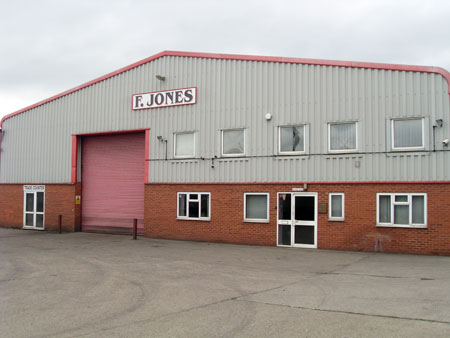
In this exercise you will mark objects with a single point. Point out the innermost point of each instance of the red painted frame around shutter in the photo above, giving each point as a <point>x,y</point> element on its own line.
<point>75,149</point>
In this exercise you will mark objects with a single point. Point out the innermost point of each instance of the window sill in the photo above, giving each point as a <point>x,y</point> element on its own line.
<point>255,221</point>
<point>336,219</point>
<point>407,226</point>
<point>291,153</point>
<point>408,149</point>
<point>32,228</point>
<point>193,219</point>
<point>233,155</point>
<point>343,151</point>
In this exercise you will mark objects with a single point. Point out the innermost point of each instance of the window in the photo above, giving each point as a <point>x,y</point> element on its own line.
<point>184,145</point>
<point>402,210</point>
<point>336,207</point>
<point>33,213</point>
<point>291,139</point>
<point>256,207</point>
<point>342,137</point>
<point>194,206</point>
<point>407,134</point>
<point>233,142</point>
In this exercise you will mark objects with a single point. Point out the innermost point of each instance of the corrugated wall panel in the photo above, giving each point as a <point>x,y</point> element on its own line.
<point>36,146</point>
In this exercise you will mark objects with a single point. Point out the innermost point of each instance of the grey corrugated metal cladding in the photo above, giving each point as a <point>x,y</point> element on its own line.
<point>238,94</point>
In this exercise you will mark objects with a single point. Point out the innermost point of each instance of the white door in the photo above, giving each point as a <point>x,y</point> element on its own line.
<point>33,217</point>
<point>297,220</point>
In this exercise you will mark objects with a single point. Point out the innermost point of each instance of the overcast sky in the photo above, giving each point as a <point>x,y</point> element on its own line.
<point>49,46</point>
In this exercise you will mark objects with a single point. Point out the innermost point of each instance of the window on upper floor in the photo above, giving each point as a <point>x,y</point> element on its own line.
<point>291,140</point>
<point>194,206</point>
<point>408,134</point>
<point>402,210</point>
<point>184,145</point>
<point>233,142</point>
<point>342,137</point>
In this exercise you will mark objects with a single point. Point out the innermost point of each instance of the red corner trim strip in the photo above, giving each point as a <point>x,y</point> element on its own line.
<point>147,155</point>
<point>259,183</point>
<point>368,65</point>
<point>299,183</point>
<point>73,179</point>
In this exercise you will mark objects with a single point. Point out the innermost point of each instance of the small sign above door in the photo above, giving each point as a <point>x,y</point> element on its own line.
<point>34,188</point>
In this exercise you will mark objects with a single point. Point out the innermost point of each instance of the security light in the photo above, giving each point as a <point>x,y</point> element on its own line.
<point>439,123</point>
<point>160,77</point>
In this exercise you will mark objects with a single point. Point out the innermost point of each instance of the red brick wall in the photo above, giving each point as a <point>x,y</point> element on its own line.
<point>358,232</point>
<point>11,205</point>
<point>226,216</point>
<point>59,200</point>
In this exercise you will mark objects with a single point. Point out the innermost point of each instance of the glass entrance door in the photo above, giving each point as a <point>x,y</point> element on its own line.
<point>284,219</point>
<point>33,217</point>
<point>304,221</point>
<point>297,220</point>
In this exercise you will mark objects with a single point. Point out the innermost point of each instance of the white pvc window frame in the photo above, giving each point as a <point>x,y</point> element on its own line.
<point>34,212</point>
<point>330,207</point>
<point>257,220</point>
<point>349,150</point>
<point>175,136</point>
<point>408,203</point>
<point>305,135</point>
<point>412,148</point>
<point>198,200</point>
<point>222,143</point>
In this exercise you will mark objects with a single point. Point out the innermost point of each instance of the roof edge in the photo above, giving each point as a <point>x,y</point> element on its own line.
<point>239,57</point>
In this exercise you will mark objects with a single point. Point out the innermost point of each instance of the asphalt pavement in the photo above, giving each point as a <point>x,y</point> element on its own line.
<point>96,285</point>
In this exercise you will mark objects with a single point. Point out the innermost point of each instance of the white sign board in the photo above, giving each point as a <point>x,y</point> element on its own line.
<point>165,98</point>
<point>34,188</point>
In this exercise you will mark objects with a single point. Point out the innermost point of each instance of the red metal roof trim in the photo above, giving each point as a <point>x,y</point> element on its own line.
<point>351,64</point>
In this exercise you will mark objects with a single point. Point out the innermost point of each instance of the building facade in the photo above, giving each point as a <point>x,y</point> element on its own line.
<point>239,149</point>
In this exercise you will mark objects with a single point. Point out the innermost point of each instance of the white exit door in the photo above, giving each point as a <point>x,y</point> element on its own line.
<point>297,220</point>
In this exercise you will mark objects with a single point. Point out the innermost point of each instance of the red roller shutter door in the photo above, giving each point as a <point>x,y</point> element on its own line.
<point>112,182</point>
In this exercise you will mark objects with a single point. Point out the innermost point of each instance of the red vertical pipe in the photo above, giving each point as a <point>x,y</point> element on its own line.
<point>147,154</point>
<point>74,159</point>
<point>1,144</point>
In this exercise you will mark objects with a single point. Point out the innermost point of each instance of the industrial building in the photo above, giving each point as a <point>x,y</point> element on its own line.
<point>239,149</point>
